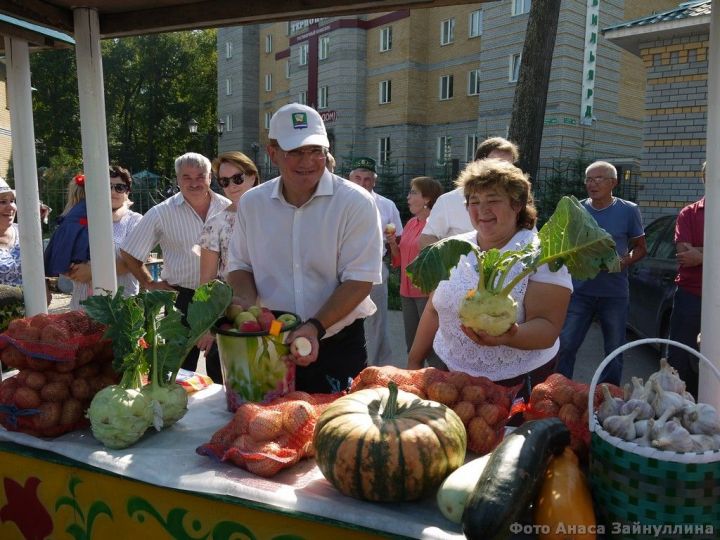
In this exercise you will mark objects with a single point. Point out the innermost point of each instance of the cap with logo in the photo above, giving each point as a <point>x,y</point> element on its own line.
<point>295,125</point>
<point>363,163</point>
<point>4,187</point>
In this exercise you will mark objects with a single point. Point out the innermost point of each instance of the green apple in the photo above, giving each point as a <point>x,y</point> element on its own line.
<point>244,316</point>
<point>255,310</point>
<point>232,311</point>
<point>288,319</point>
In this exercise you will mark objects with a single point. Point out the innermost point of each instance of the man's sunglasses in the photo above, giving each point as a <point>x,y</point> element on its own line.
<point>120,188</point>
<point>236,179</point>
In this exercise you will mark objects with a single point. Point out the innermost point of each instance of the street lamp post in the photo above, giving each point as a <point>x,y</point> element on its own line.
<point>193,125</point>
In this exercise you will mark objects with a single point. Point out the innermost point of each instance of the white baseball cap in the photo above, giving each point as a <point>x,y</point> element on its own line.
<point>4,187</point>
<point>295,125</point>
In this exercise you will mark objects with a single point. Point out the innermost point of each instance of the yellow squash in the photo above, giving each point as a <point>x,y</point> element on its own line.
<point>564,507</point>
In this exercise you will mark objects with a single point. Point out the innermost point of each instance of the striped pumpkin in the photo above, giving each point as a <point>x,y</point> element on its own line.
<point>383,444</point>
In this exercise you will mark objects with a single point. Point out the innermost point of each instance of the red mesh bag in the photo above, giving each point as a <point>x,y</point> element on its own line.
<point>265,439</point>
<point>568,400</point>
<point>51,401</point>
<point>54,338</point>
<point>483,406</point>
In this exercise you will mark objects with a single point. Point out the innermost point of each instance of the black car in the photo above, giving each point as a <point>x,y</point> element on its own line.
<point>652,281</point>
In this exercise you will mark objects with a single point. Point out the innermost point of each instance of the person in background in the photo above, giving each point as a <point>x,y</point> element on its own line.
<point>70,243</point>
<point>687,302</point>
<point>503,215</point>
<point>606,296</point>
<point>322,257</point>
<point>175,225</point>
<point>10,264</point>
<point>449,215</point>
<point>236,174</point>
<point>330,165</point>
<point>124,221</point>
<point>424,191</point>
<point>376,328</point>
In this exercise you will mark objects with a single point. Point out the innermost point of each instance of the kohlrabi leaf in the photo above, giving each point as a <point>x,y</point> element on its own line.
<point>434,262</point>
<point>572,237</point>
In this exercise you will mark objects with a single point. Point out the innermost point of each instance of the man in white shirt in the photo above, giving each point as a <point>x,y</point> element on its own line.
<point>376,331</point>
<point>175,224</point>
<point>310,243</point>
<point>449,215</point>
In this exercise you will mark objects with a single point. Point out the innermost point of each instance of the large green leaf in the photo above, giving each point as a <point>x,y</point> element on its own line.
<point>572,237</point>
<point>434,262</point>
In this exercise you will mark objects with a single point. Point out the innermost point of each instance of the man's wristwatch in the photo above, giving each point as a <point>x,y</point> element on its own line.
<point>318,326</point>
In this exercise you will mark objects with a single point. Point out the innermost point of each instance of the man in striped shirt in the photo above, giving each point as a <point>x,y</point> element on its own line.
<point>175,224</point>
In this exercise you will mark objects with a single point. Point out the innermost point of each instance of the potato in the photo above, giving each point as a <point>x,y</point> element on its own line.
<point>458,379</point>
<point>465,410</point>
<point>86,371</point>
<point>243,415</point>
<point>27,398</point>
<point>224,436</point>
<point>35,380</point>
<point>7,390</point>
<point>39,364</point>
<point>569,414</point>
<point>54,376</point>
<point>492,414</point>
<point>80,389</point>
<point>481,437</point>
<point>40,320</point>
<point>474,394</point>
<point>49,415</point>
<point>296,414</point>
<point>580,399</point>
<point>13,358</point>
<point>265,425</point>
<point>443,392</point>
<point>72,412</point>
<point>264,467</point>
<point>55,392</point>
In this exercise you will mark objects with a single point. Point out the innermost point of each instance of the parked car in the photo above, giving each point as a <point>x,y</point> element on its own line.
<point>652,281</point>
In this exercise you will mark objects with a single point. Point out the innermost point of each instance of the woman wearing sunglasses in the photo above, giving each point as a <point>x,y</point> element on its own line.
<point>236,174</point>
<point>124,221</point>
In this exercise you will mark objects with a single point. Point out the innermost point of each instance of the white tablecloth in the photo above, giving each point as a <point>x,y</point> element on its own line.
<point>168,459</point>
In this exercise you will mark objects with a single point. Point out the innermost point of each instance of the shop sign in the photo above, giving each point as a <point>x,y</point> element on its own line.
<point>328,116</point>
<point>589,65</point>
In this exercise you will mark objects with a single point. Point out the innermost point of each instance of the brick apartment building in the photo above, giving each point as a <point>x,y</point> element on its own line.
<point>422,87</point>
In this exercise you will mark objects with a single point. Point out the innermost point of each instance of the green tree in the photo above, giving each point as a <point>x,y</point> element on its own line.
<point>153,85</point>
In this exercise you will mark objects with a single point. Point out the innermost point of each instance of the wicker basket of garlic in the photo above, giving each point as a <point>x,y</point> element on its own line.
<point>655,455</point>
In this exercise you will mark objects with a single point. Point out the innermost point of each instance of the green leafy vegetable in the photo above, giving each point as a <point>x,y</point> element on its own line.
<point>148,337</point>
<point>571,237</point>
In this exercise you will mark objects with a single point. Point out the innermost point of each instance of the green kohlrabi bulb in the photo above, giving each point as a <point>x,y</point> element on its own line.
<point>487,312</point>
<point>119,417</point>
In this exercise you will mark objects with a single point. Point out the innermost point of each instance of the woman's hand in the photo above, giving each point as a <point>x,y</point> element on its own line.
<point>486,340</point>
<point>390,238</point>
<point>415,363</point>
<point>205,342</point>
<point>80,272</point>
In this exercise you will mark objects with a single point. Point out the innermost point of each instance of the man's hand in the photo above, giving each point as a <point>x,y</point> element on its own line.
<point>205,342</point>
<point>310,332</point>
<point>80,272</point>
<point>690,257</point>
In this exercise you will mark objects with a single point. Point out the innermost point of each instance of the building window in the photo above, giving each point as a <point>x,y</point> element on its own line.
<point>447,31</point>
<point>303,52</point>
<point>228,49</point>
<point>514,67</point>
<point>444,149</point>
<point>228,86</point>
<point>383,149</point>
<point>475,24</point>
<point>471,142</point>
<point>268,43</point>
<point>385,92</point>
<point>287,69</point>
<point>268,82</point>
<point>473,82</point>
<point>302,97</point>
<point>323,98</point>
<point>446,87</point>
<point>268,116</point>
<point>520,6</point>
<point>324,48</point>
<point>386,39</point>
<point>228,122</point>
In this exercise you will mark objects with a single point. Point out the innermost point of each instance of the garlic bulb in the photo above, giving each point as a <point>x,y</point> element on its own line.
<point>703,443</point>
<point>654,426</point>
<point>645,409</point>
<point>610,405</point>
<point>637,390</point>
<point>701,419</point>
<point>672,436</point>
<point>642,427</point>
<point>665,399</point>
<point>667,378</point>
<point>621,426</point>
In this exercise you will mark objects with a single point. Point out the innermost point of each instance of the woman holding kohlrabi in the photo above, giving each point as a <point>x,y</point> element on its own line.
<point>519,339</point>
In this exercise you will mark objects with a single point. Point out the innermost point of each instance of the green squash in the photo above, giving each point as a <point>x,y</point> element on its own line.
<point>384,444</point>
